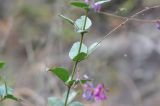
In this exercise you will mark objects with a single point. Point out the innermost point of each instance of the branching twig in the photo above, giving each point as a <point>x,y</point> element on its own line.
<point>133,16</point>
<point>126,20</point>
<point>129,18</point>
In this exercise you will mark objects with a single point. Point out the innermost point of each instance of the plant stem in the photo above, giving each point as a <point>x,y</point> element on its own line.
<point>72,76</point>
<point>73,71</point>
<point>68,91</point>
<point>76,62</point>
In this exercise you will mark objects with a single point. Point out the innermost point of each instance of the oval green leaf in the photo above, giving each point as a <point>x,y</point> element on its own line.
<point>80,4</point>
<point>80,57</point>
<point>2,64</point>
<point>79,24</point>
<point>12,97</point>
<point>73,54</point>
<point>61,73</point>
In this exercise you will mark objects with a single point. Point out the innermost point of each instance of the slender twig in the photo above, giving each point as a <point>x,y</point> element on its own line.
<point>132,18</point>
<point>126,20</point>
<point>129,18</point>
<point>69,87</point>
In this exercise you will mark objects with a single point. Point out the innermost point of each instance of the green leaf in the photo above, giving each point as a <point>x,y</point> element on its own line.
<point>61,73</point>
<point>3,91</point>
<point>71,96</point>
<point>92,47</point>
<point>73,54</point>
<point>76,104</point>
<point>54,101</point>
<point>80,56</point>
<point>67,19</point>
<point>79,24</point>
<point>11,97</point>
<point>80,4</point>
<point>2,64</point>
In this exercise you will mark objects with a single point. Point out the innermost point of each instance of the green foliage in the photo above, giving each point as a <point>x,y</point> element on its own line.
<point>7,93</point>
<point>8,96</point>
<point>80,5</point>
<point>2,64</point>
<point>80,56</point>
<point>61,73</point>
<point>73,54</point>
<point>78,52</point>
<point>67,19</point>
<point>5,90</point>
<point>81,22</point>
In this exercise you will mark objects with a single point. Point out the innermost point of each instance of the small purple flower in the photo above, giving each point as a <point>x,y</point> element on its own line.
<point>158,24</point>
<point>97,93</point>
<point>100,92</point>
<point>88,91</point>
<point>96,7</point>
<point>88,95</point>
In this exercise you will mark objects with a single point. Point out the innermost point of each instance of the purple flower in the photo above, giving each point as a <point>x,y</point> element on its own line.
<point>97,93</point>
<point>88,91</point>
<point>96,6</point>
<point>100,92</point>
<point>158,24</point>
<point>88,95</point>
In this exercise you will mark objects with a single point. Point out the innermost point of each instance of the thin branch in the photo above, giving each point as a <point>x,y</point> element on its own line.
<point>136,14</point>
<point>126,20</point>
<point>130,18</point>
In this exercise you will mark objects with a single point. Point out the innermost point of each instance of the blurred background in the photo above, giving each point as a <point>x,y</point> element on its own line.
<point>33,37</point>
